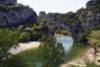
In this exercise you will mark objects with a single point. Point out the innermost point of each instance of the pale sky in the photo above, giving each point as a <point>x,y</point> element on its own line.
<point>60,6</point>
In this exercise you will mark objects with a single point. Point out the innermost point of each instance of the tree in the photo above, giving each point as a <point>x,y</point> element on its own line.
<point>8,39</point>
<point>94,39</point>
<point>51,52</point>
<point>24,36</point>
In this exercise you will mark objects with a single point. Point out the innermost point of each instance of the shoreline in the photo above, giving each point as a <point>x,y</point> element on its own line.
<point>23,47</point>
<point>87,57</point>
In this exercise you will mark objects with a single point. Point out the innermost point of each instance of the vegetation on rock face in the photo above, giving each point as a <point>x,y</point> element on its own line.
<point>8,7</point>
<point>24,37</point>
<point>33,32</point>
<point>17,13</point>
<point>94,39</point>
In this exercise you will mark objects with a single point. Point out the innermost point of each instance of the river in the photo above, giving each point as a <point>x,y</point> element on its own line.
<point>66,41</point>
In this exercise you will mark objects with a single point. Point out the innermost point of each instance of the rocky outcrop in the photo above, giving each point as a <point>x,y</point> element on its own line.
<point>78,24</point>
<point>92,3</point>
<point>54,21</point>
<point>91,16</point>
<point>8,1</point>
<point>42,14</point>
<point>86,21</point>
<point>57,20</point>
<point>16,14</point>
<point>89,19</point>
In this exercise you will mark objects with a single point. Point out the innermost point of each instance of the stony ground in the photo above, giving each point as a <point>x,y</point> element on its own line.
<point>24,46</point>
<point>88,56</point>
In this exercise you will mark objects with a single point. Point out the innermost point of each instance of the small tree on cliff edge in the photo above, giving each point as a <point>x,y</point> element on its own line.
<point>51,52</point>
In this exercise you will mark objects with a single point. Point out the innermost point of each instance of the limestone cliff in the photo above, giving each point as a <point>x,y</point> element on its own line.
<point>14,14</point>
<point>8,1</point>
<point>78,23</point>
<point>92,3</point>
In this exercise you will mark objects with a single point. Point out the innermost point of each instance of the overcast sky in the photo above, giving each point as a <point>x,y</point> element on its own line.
<point>61,6</point>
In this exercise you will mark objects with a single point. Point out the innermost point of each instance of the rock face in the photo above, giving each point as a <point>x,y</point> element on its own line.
<point>91,19</point>
<point>56,20</point>
<point>91,3</point>
<point>8,1</point>
<point>77,24</point>
<point>42,13</point>
<point>52,22</point>
<point>16,14</point>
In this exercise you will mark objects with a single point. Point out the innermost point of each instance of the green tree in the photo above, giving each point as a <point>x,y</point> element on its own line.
<point>51,52</point>
<point>8,39</point>
<point>24,36</point>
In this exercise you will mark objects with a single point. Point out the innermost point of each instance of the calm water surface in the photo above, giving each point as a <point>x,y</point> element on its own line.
<point>66,41</point>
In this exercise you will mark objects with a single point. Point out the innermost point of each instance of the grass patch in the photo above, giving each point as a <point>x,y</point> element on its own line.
<point>31,57</point>
<point>75,51</point>
<point>92,65</point>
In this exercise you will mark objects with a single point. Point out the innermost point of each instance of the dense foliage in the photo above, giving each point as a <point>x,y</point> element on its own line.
<point>8,39</point>
<point>94,38</point>
<point>52,53</point>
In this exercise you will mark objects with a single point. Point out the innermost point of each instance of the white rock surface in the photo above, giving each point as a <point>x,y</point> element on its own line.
<point>24,46</point>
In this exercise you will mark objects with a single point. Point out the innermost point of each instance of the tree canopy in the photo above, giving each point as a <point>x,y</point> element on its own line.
<point>8,39</point>
<point>52,53</point>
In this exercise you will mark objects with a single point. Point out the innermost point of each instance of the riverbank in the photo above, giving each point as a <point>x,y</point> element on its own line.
<point>28,45</point>
<point>31,57</point>
<point>60,35</point>
<point>75,51</point>
<point>29,51</point>
<point>24,46</point>
<point>86,59</point>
